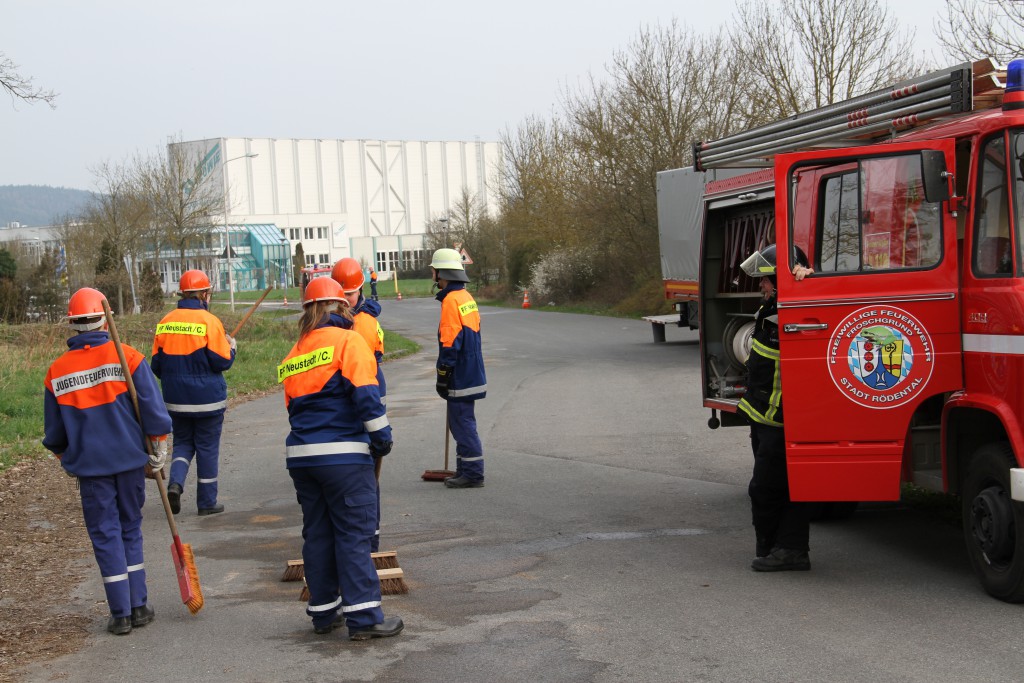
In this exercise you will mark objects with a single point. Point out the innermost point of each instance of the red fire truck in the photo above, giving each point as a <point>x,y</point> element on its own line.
<point>902,356</point>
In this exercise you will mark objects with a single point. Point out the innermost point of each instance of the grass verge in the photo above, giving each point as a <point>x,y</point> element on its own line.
<point>26,351</point>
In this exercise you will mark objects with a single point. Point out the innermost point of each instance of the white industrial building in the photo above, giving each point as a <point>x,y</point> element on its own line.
<point>369,199</point>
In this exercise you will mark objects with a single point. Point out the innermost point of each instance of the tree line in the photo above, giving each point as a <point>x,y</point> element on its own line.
<point>578,213</point>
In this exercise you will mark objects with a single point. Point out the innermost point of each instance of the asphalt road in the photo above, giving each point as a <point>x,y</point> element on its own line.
<point>612,542</point>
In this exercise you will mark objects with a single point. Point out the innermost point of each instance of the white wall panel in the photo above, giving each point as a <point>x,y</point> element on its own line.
<point>372,194</point>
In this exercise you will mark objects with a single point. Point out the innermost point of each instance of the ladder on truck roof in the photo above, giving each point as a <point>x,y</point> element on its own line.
<point>906,105</point>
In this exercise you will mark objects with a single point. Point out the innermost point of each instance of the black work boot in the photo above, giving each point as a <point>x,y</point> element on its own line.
<point>174,497</point>
<point>142,615</point>
<point>782,560</point>
<point>119,626</point>
<point>218,508</point>
<point>763,547</point>
<point>391,626</point>
<point>323,629</point>
<point>461,482</point>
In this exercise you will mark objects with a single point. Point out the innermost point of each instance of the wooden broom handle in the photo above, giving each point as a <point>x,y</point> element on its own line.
<point>252,309</point>
<point>159,476</point>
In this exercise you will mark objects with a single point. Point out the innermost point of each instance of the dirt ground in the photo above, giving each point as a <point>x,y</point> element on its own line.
<point>44,554</point>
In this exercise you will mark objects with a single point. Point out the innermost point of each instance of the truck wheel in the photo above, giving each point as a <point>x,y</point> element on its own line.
<point>994,523</point>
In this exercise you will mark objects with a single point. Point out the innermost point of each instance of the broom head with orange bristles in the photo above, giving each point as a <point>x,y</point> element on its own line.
<point>188,575</point>
<point>437,475</point>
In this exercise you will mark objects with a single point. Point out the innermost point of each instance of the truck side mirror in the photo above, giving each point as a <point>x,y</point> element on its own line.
<point>934,175</point>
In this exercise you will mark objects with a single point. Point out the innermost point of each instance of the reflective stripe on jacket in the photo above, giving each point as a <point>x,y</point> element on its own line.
<point>459,343</point>
<point>334,406</point>
<point>190,353</point>
<point>762,402</point>
<point>88,413</point>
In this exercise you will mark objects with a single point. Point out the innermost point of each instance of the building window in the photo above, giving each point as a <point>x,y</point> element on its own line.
<point>308,233</point>
<point>294,234</point>
<point>284,234</point>
<point>324,258</point>
<point>321,233</point>
<point>310,259</point>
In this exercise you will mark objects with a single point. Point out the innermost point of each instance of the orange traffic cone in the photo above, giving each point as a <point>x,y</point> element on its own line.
<point>285,300</point>
<point>526,298</point>
<point>399,296</point>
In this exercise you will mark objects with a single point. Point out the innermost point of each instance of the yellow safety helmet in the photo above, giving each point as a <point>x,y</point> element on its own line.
<point>448,264</point>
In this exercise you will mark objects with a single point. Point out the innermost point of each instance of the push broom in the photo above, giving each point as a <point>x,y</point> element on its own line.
<point>441,475</point>
<point>252,309</point>
<point>184,561</point>
<point>390,575</point>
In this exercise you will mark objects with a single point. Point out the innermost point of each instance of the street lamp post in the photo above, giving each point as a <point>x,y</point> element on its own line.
<point>444,226</point>
<point>227,233</point>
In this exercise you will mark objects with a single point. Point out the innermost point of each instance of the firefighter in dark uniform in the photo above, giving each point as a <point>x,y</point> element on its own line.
<point>782,527</point>
<point>460,366</point>
<point>90,425</point>
<point>338,428</point>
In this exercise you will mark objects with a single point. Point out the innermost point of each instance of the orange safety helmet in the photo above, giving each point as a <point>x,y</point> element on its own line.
<point>86,303</point>
<point>349,274</point>
<point>322,289</point>
<point>193,281</point>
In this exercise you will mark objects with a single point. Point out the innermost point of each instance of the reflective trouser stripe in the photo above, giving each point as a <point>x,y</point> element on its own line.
<point>116,578</point>
<point>360,606</point>
<point>479,457</point>
<point>324,608</point>
<point>136,567</point>
<point>207,481</point>
<point>200,408</point>
<point>184,460</point>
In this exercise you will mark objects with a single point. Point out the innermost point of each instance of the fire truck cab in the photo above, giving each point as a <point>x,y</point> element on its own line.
<point>902,355</point>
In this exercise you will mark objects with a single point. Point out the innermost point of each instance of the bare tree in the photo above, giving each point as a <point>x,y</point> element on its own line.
<point>802,54</point>
<point>121,214</point>
<point>974,29</point>
<point>182,197</point>
<point>21,87</point>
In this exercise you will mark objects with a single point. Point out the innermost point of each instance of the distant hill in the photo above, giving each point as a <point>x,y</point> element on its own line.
<point>39,205</point>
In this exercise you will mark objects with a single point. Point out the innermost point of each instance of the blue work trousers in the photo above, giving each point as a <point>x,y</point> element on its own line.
<point>339,517</point>
<point>469,452</point>
<point>112,508</point>
<point>197,437</point>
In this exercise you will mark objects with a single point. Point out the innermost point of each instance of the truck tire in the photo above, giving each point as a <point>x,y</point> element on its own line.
<point>993,523</point>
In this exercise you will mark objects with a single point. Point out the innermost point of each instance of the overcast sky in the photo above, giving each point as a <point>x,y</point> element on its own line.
<point>131,73</point>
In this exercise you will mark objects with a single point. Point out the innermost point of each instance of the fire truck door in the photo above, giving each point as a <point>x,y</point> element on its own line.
<point>875,330</point>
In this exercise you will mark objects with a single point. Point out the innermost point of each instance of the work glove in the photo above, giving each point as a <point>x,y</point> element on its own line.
<point>159,453</point>
<point>444,380</point>
<point>231,342</point>
<point>380,448</point>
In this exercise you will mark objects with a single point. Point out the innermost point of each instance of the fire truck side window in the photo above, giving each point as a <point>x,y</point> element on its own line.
<point>840,230</point>
<point>992,255</point>
<point>1017,145</point>
<point>870,216</point>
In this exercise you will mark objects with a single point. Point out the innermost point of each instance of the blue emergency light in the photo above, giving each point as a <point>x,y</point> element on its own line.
<point>1013,96</point>
<point>1015,75</point>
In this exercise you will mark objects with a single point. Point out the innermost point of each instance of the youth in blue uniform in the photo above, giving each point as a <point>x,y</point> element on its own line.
<point>338,427</point>
<point>349,274</point>
<point>90,425</point>
<point>190,354</point>
<point>461,380</point>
